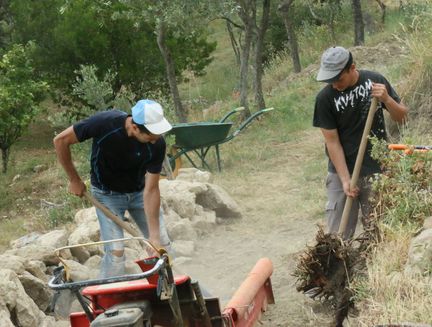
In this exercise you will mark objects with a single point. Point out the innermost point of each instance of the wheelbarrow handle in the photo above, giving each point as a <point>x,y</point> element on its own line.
<point>232,112</point>
<point>250,119</point>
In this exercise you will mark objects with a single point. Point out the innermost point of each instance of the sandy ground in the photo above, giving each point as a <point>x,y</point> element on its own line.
<point>279,217</point>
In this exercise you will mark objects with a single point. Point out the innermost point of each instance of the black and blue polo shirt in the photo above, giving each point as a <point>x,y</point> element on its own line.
<point>118,162</point>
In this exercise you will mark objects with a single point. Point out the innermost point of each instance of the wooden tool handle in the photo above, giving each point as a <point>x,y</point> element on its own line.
<point>112,216</point>
<point>358,164</point>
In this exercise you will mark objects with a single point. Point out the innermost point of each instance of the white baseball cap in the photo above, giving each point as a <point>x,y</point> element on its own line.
<point>149,113</point>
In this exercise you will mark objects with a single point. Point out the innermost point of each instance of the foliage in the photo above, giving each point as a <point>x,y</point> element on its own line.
<point>403,192</point>
<point>62,214</point>
<point>20,94</point>
<point>85,33</point>
<point>5,25</point>
<point>90,94</point>
<point>417,84</point>
<point>87,87</point>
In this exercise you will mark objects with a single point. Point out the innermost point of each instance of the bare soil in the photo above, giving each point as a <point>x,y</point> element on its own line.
<point>279,217</point>
<point>282,201</point>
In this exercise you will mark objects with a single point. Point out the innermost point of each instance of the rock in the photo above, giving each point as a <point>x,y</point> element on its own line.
<point>62,323</point>
<point>427,223</point>
<point>56,238</point>
<point>39,168</point>
<point>204,225</point>
<point>204,220</point>
<point>132,254</point>
<point>182,203</point>
<point>37,289</point>
<point>84,233</point>
<point>13,262</point>
<point>25,240</point>
<point>5,319</point>
<point>170,216</point>
<point>84,216</point>
<point>180,196</point>
<point>183,248</point>
<point>93,263</point>
<point>132,268</point>
<point>192,207</point>
<point>15,299</point>
<point>46,254</point>
<point>182,230</point>
<point>420,253</point>
<point>217,199</point>
<point>77,271</point>
<point>179,186</point>
<point>194,175</point>
<point>37,269</point>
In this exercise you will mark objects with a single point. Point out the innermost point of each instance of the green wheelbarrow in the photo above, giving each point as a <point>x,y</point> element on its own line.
<point>199,137</point>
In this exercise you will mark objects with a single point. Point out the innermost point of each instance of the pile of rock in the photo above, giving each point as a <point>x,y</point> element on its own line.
<point>192,206</point>
<point>420,251</point>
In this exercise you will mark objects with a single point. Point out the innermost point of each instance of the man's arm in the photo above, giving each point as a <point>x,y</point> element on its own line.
<point>398,111</point>
<point>152,206</point>
<point>337,157</point>
<point>62,143</point>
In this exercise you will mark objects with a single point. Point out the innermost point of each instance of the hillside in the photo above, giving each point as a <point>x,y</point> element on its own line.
<point>275,170</point>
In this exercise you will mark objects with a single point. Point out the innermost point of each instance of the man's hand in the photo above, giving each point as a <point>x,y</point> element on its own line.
<point>151,251</point>
<point>77,187</point>
<point>379,91</point>
<point>398,111</point>
<point>348,191</point>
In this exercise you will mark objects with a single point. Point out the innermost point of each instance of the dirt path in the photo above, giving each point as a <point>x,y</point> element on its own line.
<point>279,218</point>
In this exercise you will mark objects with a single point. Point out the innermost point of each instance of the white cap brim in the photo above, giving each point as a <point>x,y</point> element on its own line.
<point>160,127</point>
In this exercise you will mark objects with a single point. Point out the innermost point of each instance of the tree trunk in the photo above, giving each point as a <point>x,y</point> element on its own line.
<point>234,43</point>
<point>247,14</point>
<point>284,8</point>
<point>333,11</point>
<point>317,19</point>
<point>259,48</point>
<point>170,71</point>
<point>5,159</point>
<point>358,23</point>
<point>383,10</point>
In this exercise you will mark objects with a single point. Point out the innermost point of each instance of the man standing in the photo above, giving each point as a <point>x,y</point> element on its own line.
<point>126,160</point>
<point>341,109</point>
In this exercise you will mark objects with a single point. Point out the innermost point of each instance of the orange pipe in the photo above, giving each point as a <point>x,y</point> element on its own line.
<point>247,291</point>
<point>398,147</point>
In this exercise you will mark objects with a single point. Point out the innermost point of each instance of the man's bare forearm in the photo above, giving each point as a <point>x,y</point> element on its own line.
<point>62,143</point>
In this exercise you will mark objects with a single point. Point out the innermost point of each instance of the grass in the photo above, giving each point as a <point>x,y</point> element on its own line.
<point>389,295</point>
<point>386,294</point>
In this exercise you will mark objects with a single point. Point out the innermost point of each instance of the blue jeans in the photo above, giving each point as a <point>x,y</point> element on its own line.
<point>118,203</point>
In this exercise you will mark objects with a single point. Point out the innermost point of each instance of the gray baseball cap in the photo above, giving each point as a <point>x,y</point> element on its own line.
<point>333,61</point>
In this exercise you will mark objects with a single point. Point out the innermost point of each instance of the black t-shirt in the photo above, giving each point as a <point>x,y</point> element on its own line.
<point>118,162</point>
<point>347,112</point>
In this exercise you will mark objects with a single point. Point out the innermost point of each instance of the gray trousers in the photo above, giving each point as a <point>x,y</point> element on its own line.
<point>336,202</point>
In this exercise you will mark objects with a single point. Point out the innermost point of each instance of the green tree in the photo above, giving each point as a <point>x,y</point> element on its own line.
<point>100,33</point>
<point>180,18</point>
<point>20,94</point>
<point>5,24</point>
<point>252,24</point>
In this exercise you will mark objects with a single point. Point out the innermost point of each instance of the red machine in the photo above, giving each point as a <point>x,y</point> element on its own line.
<point>156,298</point>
